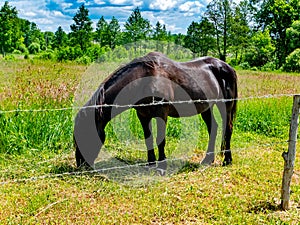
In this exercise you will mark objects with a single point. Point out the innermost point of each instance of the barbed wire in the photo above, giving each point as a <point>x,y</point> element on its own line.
<point>201,168</point>
<point>154,103</point>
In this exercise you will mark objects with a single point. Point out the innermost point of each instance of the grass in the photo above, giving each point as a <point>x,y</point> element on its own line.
<point>39,144</point>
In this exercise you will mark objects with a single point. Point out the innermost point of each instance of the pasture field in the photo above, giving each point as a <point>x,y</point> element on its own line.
<point>39,183</point>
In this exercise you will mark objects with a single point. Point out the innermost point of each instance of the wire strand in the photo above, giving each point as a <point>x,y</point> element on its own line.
<point>154,103</point>
<point>137,165</point>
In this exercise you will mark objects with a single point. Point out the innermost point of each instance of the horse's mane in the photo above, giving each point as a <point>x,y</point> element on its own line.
<point>147,62</point>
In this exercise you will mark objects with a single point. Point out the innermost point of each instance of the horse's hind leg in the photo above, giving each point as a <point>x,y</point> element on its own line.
<point>225,111</point>
<point>212,128</point>
<point>147,128</point>
<point>226,142</point>
<point>161,142</point>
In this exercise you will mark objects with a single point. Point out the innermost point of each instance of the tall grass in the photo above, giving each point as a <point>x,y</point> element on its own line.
<point>46,85</point>
<point>27,131</point>
<point>270,117</point>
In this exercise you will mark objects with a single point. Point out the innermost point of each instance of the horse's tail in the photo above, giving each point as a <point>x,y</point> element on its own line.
<point>235,95</point>
<point>227,79</point>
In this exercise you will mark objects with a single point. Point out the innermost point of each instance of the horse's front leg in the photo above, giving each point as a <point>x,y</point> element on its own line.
<point>147,128</point>
<point>212,128</point>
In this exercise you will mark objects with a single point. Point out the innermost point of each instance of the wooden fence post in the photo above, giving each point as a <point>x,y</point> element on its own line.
<point>289,157</point>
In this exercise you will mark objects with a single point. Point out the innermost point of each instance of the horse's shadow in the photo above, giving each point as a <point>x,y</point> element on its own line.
<point>120,170</point>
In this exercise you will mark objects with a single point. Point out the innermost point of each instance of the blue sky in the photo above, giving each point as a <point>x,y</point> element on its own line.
<point>177,15</point>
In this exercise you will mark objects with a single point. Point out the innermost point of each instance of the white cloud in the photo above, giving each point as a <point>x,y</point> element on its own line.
<point>118,2</point>
<point>29,14</point>
<point>57,14</point>
<point>190,6</point>
<point>99,2</point>
<point>163,4</point>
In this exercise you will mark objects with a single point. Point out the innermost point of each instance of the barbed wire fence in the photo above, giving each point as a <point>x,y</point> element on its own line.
<point>140,168</point>
<point>154,103</point>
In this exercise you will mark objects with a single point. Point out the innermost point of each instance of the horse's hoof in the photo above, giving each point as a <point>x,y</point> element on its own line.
<point>86,166</point>
<point>207,161</point>
<point>150,165</point>
<point>227,163</point>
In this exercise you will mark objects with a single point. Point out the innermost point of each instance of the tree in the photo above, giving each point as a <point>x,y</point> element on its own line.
<point>108,34</point>
<point>49,38</point>
<point>8,18</point>
<point>293,36</point>
<point>200,37</point>
<point>160,34</point>
<point>136,27</point>
<point>261,49</point>
<point>82,28</point>
<point>239,31</point>
<point>191,40</point>
<point>34,35</point>
<point>219,12</point>
<point>278,16</point>
<point>179,39</point>
<point>114,33</point>
<point>60,38</point>
<point>102,32</point>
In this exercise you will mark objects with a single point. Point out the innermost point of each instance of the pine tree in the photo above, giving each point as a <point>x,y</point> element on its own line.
<point>102,34</point>
<point>136,27</point>
<point>82,28</point>
<point>114,33</point>
<point>60,38</point>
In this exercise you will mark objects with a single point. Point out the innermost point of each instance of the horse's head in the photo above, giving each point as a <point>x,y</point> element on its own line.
<point>89,136</point>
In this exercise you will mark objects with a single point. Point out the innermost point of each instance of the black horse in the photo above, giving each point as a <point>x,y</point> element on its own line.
<point>158,87</point>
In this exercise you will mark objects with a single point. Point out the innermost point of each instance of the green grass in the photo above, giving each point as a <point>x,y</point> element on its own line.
<point>39,144</point>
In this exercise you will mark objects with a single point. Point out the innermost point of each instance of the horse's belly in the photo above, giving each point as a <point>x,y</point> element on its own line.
<point>187,109</point>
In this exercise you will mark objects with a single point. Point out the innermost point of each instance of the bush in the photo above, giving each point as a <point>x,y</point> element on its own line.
<point>245,66</point>
<point>17,52</point>
<point>69,53</point>
<point>96,51</point>
<point>84,60</point>
<point>48,55</point>
<point>292,62</point>
<point>22,48</point>
<point>34,48</point>
<point>9,58</point>
<point>269,66</point>
<point>119,53</point>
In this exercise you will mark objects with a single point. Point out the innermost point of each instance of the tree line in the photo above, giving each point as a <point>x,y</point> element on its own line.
<point>257,34</point>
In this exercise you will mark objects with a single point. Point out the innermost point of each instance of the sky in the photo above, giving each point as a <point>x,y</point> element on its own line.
<point>177,15</point>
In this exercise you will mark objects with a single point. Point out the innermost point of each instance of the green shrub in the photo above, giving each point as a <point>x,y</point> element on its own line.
<point>34,48</point>
<point>292,62</point>
<point>17,52</point>
<point>9,57</point>
<point>22,48</point>
<point>69,53</point>
<point>245,66</point>
<point>269,66</point>
<point>84,60</point>
<point>48,55</point>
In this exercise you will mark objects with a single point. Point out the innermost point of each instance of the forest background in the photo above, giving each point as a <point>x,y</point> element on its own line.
<point>252,34</point>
